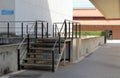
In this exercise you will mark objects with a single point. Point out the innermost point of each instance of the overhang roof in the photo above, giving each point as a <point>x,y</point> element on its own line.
<point>99,22</point>
<point>109,8</point>
<point>86,13</point>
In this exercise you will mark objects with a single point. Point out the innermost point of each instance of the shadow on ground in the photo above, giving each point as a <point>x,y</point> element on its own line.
<point>25,74</point>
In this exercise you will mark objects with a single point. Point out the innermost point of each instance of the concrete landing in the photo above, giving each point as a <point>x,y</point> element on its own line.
<point>103,63</point>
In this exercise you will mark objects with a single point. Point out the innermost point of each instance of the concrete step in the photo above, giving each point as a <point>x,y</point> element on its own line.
<point>36,66</point>
<point>39,48</point>
<point>43,55</point>
<point>44,45</point>
<point>50,40</point>
<point>43,51</point>
<point>40,55</point>
<point>38,59</point>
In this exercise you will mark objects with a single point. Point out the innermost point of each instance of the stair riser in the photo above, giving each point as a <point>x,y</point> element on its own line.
<point>38,62</point>
<point>46,46</point>
<point>37,68</point>
<point>44,51</point>
<point>42,57</point>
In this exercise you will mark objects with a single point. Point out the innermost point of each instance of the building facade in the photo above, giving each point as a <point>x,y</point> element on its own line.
<point>32,10</point>
<point>93,20</point>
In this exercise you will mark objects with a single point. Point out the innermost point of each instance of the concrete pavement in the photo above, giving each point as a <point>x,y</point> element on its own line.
<point>103,63</point>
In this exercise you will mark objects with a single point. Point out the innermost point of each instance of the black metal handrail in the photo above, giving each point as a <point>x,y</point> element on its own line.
<point>13,29</point>
<point>67,27</point>
<point>32,33</point>
<point>17,29</point>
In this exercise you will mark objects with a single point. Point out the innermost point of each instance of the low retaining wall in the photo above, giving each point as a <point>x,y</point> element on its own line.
<point>8,59</point>
<point>79,49</point>
<point>83,47</point>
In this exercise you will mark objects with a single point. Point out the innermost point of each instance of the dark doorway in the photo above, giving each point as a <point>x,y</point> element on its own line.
<point>109,34</point>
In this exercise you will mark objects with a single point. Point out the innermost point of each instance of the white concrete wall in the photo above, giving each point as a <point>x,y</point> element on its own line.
<point>49,10</point>
<point>83,47</point>
<point>5,7</point>
<point>8,59</point>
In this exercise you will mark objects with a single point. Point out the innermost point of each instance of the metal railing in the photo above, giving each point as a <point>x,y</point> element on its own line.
<point>39,29</point>
<point>67,29</point>
<point>15,31</point>
<point>64,30</point>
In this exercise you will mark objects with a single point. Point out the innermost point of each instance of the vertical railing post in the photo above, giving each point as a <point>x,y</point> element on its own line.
<point>36,26</point>
<point>76,30</point>
<point>22,30</point>
<point>28,43</point>
<point>8,32</point>
<point>42,29</point>
<point>28,40</point>
<point>53,67</point>
<point>47,30</point>
<point>18,59</point>
<point>65,30</point>
<point>59,42</point>
<point>69,49</point>
<point>72,29</point>
<point>79,31</point>
<point>53,30</point>
<point>69,30</point>
<point>27,29</point>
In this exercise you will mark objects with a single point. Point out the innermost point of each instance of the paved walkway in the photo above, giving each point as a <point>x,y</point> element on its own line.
<point>103,63</point>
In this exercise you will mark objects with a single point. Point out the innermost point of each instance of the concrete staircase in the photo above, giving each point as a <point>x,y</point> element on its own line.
<point>40,54</point>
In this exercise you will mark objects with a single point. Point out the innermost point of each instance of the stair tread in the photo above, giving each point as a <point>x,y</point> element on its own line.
<point>39,48</point>
<point>43,53</point>
<point>47,44</point>
<point>38,59</point>
<point>45,65</point>
<point>42,44</point>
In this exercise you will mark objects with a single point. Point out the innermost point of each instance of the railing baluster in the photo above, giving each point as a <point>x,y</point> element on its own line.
<point>22,30</point>
<point>72,30</point>
<point>69,29</point>
<point>59,42</point>
<point>8,28</point>
<point>36,25</point>
<point>26,29</point>
<point>79,31</point>
<point>28,40</point>
<point>28,43</point>
<point>47,30</point>
<point>65,29</point>
<point>18,59</point>
<point>53,30</point>
<point>76,30</point>
<point>42,29</point>
<point>53,67</point>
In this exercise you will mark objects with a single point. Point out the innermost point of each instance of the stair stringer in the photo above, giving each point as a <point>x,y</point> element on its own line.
<point>61,53</point>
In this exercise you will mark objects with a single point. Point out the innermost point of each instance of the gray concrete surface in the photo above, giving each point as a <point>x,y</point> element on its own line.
<point>103,63</point>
